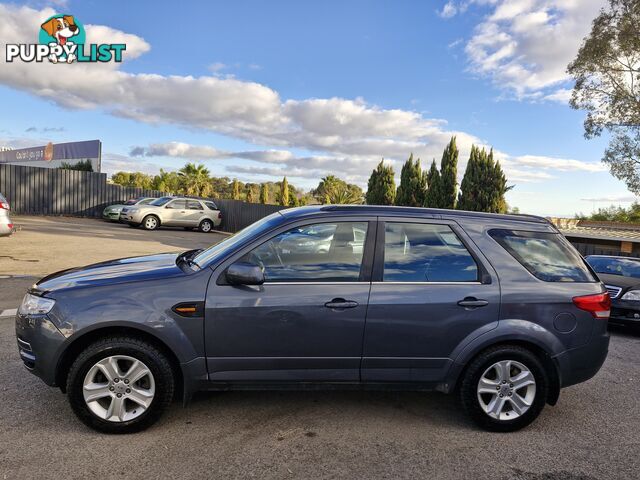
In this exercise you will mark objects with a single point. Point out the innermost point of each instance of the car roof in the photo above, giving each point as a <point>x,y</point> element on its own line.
<point>381,210</point>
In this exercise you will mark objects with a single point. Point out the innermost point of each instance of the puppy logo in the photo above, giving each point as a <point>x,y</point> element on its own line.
<point>62,29</point>
<point>62,39</point>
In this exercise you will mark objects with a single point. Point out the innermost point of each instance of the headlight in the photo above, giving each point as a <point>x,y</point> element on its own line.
<point>132,210</point>
<point>31,305</point>
<point>633,295</point>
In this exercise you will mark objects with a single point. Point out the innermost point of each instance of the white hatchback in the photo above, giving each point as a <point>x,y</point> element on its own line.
<point>6,225</point>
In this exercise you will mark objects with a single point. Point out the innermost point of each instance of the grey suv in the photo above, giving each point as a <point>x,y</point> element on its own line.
<point>498,308</point>
<point>186,212</point>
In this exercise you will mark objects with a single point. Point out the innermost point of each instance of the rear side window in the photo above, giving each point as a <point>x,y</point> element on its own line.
<point>193,205</point>
<point>417,252</point>
<point>548,256</point>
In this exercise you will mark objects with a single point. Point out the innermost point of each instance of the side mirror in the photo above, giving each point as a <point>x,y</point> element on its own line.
<point>244,273</point>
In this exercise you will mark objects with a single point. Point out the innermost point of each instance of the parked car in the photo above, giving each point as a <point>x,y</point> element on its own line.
<point>6,225</point>
<point>621,276</point>
<point>112,212</point>
<point>500,308</point>
<point>187,212</point>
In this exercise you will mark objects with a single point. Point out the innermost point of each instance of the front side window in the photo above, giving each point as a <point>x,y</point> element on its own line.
<point>548,256</point>
<point>417,252</point>
<point>327,252</point>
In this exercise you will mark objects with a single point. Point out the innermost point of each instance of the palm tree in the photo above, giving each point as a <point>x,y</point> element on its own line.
<point>196,180</point>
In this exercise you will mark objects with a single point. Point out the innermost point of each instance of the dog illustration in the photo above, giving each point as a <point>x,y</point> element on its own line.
<point>62,29</point>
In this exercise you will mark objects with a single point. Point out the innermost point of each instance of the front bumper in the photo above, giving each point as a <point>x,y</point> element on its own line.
<point>111,216</point>
<point>582,363</point>
<point>39,342</point>
<point>134,218</point>
<point>623,311</point>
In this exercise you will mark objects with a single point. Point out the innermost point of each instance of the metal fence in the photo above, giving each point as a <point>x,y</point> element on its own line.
<point>237,214</point>
<point>52,191</point>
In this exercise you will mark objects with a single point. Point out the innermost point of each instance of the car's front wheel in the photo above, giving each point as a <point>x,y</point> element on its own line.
<point>150,222</point>
<point>120,385</point>
<point>504,388</point>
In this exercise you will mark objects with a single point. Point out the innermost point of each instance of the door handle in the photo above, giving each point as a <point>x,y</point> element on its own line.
<point>341,303</point>
<point>472,302</point>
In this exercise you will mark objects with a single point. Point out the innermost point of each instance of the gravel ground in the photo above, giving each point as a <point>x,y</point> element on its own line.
<point>591,434</point>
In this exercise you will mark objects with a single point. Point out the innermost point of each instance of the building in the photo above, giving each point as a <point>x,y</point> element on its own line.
<point>601,238</point>
<point>54,155</point>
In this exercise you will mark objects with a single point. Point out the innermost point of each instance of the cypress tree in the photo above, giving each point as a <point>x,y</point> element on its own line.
<point>433,197</point>
<point>251,194</point>
<point>264,193</point>
<point>284,192</point>
<point>448,175</point>
<point>236,189</point>
<point>413,184</point>
<point>381,189</point>
<point>484,184</point>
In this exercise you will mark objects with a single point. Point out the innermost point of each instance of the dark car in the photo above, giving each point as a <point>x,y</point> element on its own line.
<point>498,308</point>
<point>621,276</point>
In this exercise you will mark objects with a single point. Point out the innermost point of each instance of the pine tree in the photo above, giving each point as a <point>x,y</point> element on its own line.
<point>381,189</point>
<point>448,175</point>
<point>236,189</point>
<point>264,193</point>
<point>284,192</point>
<point>413,184</point>
<point>433,198</point>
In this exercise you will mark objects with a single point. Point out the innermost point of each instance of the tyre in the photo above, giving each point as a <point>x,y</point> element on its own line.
<point>120,385</point>
<point>150,222</point>
<point>504,388</point>
<point>206,225</point>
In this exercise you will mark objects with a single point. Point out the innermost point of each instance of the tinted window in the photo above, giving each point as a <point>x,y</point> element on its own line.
<point>627,267</point>
<point>193,205</point>
<point>415,252</point>
<point>321,252</point>
<point>548,256</point>
<point>211,205</point>
<point>178,204</point>
<point>158,202</point>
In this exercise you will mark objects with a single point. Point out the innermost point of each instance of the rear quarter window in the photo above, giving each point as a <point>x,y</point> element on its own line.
<point>547,256</point>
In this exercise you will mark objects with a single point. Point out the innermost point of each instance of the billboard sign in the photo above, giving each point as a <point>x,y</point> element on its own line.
<point>52,155</point>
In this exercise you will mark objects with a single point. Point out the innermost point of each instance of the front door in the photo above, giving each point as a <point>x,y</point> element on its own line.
<point>306,322</point>
<point>431,290</point>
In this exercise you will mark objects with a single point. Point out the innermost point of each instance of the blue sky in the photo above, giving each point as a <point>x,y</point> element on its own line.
<point>256,90</point>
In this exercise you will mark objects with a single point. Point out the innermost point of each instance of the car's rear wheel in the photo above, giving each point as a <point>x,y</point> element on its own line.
<point>205,226</point>
<point>150,222</point>
<point>120,385</point>
<point>504,388</point>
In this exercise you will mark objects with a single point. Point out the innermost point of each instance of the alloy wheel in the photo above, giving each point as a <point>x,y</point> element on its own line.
<point>118,388</point>
<point>506,390</point>
<point>151,223</point>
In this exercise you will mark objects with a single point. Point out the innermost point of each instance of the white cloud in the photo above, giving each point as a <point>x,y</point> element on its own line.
<point>344,136</point>
<point>524,46</point>
<point>612,199</point>
<point>449,10</point>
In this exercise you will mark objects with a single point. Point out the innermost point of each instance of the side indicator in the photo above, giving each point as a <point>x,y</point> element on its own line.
<point>189,309</point>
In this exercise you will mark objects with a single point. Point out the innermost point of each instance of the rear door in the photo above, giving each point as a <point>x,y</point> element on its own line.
<point>195,212</point>
<point>431,290</point>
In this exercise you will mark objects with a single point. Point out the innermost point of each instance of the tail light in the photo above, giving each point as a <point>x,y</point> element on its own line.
<point>219,214</point>
<point>599,305</point>
<point>4,206</point>
<point>10,225</point>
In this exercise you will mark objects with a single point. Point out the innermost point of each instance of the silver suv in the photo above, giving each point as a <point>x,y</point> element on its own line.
<point>188,213</point>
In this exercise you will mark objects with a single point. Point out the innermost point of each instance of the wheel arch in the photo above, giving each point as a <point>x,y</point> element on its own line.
<point>544,345</point>
<point>78,344</point>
